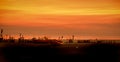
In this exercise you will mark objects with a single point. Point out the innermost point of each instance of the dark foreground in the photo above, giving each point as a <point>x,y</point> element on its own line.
<point>89,53</point>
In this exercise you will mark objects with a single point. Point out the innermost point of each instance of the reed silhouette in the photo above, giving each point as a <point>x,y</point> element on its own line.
<point>54,50</point>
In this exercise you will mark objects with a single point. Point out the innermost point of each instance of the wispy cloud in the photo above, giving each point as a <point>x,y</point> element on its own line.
<point>79,17</point>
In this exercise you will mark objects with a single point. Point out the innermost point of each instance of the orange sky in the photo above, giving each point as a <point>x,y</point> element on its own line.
<point>95,18</point>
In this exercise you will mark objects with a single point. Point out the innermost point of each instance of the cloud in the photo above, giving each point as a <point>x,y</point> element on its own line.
<point>67,7</point>
<point>9,11</point>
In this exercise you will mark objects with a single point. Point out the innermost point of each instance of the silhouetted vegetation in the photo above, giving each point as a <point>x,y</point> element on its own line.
<point>54,50</point>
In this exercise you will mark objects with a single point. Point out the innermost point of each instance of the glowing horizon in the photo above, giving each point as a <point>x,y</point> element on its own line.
<point>61,17</point>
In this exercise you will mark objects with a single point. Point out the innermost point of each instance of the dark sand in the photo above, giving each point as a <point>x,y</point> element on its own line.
<point>61,53</point>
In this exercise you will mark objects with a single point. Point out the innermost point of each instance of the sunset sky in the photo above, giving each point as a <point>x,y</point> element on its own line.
<point>86,19</point>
